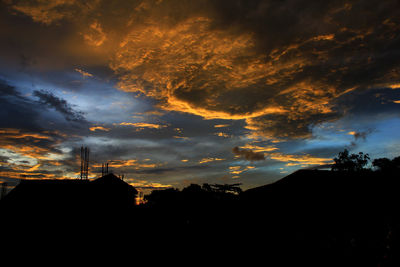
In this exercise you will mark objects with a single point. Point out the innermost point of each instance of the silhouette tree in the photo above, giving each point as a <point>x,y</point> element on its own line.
<point>350,162</point>
<point>382,164</point>
<point>207,187</point>
<point>387,165</point>
<point>227,188</point>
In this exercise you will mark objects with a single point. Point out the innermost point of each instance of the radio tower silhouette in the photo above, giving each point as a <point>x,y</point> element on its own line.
<point>84,162</point>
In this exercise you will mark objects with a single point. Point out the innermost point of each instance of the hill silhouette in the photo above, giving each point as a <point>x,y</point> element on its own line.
<point>323,218</point>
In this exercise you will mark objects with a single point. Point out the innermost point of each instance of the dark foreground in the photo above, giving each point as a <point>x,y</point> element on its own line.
<point>311,218</point>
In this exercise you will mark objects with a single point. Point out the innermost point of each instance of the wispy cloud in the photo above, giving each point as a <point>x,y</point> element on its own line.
<point>143,125</point>
<point>48,99</point>
<point>207,160</point>
<point>248,154</point>
<point>299,160</point>
<point>99,128</point>
<point>84,73</point>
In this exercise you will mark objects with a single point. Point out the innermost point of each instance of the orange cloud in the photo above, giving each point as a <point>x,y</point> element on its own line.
<point>217,65</point>
<point>236,170</point>
<point>18,134</point>
<point>100,128</point>
<point>131,163</point>
<point>46,11</point>
<point>95,35</point>
<point>190,64</point>
<point>221,125</point>
<point>143,125</point>
<point>84,73</point>
<point>206,160</point>
<point>162,54</point>
<point>295,160</point>
<point>34,168</point>
<point>221,134</point>
<point>395,86</point>
<point>143,184</point>
<point>255,148</point>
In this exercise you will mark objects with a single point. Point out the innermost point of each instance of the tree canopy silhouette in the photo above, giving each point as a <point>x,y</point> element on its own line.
<point>387,165</point>
<point>350,162</point>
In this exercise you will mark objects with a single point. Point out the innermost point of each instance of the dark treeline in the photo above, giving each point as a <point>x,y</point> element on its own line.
<point>346,216</point>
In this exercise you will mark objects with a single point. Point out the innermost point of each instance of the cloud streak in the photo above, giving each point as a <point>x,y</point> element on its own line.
<point>50,100</point>
<point>248,154</point>
<point>280,71</point>
<point>183,82</point>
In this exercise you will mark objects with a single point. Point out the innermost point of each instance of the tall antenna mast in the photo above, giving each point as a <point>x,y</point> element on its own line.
<point>84,163</point>
<point>87,162</point>
<point>82,158</point>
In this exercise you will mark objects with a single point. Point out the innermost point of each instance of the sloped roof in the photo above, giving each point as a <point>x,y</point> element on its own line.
<point>112,180</point>
<point>69,193</point>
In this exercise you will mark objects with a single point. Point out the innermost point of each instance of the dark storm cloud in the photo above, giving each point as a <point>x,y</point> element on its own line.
<point>17,110</point>
<point>50,100</point>
<point>31,136</point>
<point>7,90</point>
<point>286,60</point>
<point>172,170</point>
<point>24,113</point>
<point>260,61</point>
<point>270,69</point>
<point>248,154</point>
<point>371,102</point>
<point>362,135</point>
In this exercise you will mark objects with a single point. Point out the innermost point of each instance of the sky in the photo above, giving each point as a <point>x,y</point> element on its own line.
<point>174,92</point>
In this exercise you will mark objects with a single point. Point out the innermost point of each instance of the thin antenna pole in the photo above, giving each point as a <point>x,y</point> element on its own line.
<point>87,163</point>
<point>82,162</point>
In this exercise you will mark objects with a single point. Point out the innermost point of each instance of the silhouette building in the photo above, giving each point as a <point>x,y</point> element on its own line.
<point>73,196</point>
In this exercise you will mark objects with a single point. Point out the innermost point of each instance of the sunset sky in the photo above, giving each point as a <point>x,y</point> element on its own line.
<point>173,92</point>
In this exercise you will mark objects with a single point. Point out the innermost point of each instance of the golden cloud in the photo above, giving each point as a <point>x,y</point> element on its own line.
<point>45,11</point>
<point>295,160</point>
<point>143,184</point>
<point>84,73</point>
<point>131,163</point>
<point>143,125</point>
<point>206,160</point>
<point>221,134</point>
<point>190,63</point>
<point>256,148</point>
<point>236,170</point>
<point>95,35</point>
<point>221,125</point>
<point>100,128</point>
<point>18,134</point>
<point>218,74</point>
<point>175,64</point>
